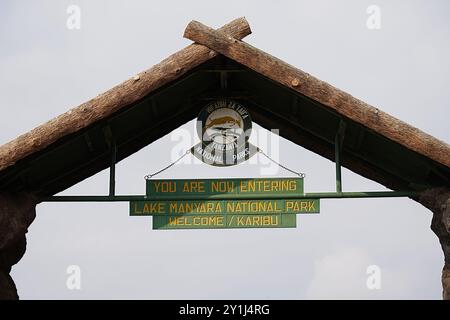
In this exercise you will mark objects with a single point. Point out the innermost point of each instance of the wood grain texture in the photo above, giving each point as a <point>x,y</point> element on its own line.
<point>322,92</point>
<point>116,98</point>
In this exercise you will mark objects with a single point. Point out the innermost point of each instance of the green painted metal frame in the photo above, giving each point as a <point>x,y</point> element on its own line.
<point>112,170</point>
<point>338,141</point>
<point>112,197</point>
<point>313,195</point>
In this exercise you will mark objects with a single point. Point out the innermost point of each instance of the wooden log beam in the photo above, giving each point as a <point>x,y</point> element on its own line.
<point>327,95</point>
<point>116,98</point>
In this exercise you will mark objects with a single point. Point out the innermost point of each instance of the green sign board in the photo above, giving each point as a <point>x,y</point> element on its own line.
<point>224,221</point>
<point>224,203</point>
<point>231,207</point>
<point>188,189</point>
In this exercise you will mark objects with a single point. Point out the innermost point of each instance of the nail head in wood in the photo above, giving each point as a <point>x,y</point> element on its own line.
<point>295,82</point>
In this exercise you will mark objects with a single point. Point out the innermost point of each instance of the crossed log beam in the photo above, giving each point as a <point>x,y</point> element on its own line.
<point>437,200</point>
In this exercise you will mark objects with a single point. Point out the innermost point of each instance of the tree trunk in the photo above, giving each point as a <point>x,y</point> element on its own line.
<point>17,211</point>
<point>438,201</point>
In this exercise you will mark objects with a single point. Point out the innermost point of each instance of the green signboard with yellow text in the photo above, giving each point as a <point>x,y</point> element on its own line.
<point>224,203</point>
<point>225,221</point>
<point>181,188</point>
<point>203,207</point>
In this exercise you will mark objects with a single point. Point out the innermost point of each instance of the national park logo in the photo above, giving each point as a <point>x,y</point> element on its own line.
<point>224,127</point>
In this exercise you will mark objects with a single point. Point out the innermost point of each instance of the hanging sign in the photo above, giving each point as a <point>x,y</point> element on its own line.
<point>224,203</point>
<point>230,207</point>
<point>224,127</point>
<point>222,188</point>
<point>224,221</point>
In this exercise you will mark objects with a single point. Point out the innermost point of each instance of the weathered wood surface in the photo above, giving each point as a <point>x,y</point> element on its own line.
<point>116,98</point>
<point>305,84</point>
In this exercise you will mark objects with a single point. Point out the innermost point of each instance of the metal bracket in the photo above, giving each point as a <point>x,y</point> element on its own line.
<point>112,170</point>
<point>338,142</point>
<point>110,140</point>
<point>223,80</point>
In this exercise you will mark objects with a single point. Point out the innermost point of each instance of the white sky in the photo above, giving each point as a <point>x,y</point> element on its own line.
<point>403,69</point>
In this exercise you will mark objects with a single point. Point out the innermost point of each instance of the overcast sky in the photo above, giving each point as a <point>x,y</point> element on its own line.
<point>402,68</point>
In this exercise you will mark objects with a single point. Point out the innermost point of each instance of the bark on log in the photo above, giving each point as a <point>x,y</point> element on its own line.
<point>116,98</point>
<point>438,201</point>
<point>17,212</point>
<point>305,84</point>
<point>8,290</point>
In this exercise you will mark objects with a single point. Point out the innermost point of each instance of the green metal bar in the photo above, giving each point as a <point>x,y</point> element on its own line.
<point>368,194</point>
<point>338,140</point>
<point>116,198</point>
<point>317,195</point>
<point>337,159</point>
<point>112,169</point>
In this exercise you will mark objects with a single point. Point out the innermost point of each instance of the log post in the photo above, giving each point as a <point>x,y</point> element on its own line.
<point>438,201</point>
<point>17,211</point>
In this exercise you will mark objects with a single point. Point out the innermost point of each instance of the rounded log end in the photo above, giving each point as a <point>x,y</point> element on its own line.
<point>238,28</point>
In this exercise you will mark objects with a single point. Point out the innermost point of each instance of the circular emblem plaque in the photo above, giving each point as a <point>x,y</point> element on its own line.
<point>224,127</point>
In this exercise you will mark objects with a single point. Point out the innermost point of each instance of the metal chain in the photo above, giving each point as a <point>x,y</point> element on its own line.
<point>300,174</point>
<point>149,176</point>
